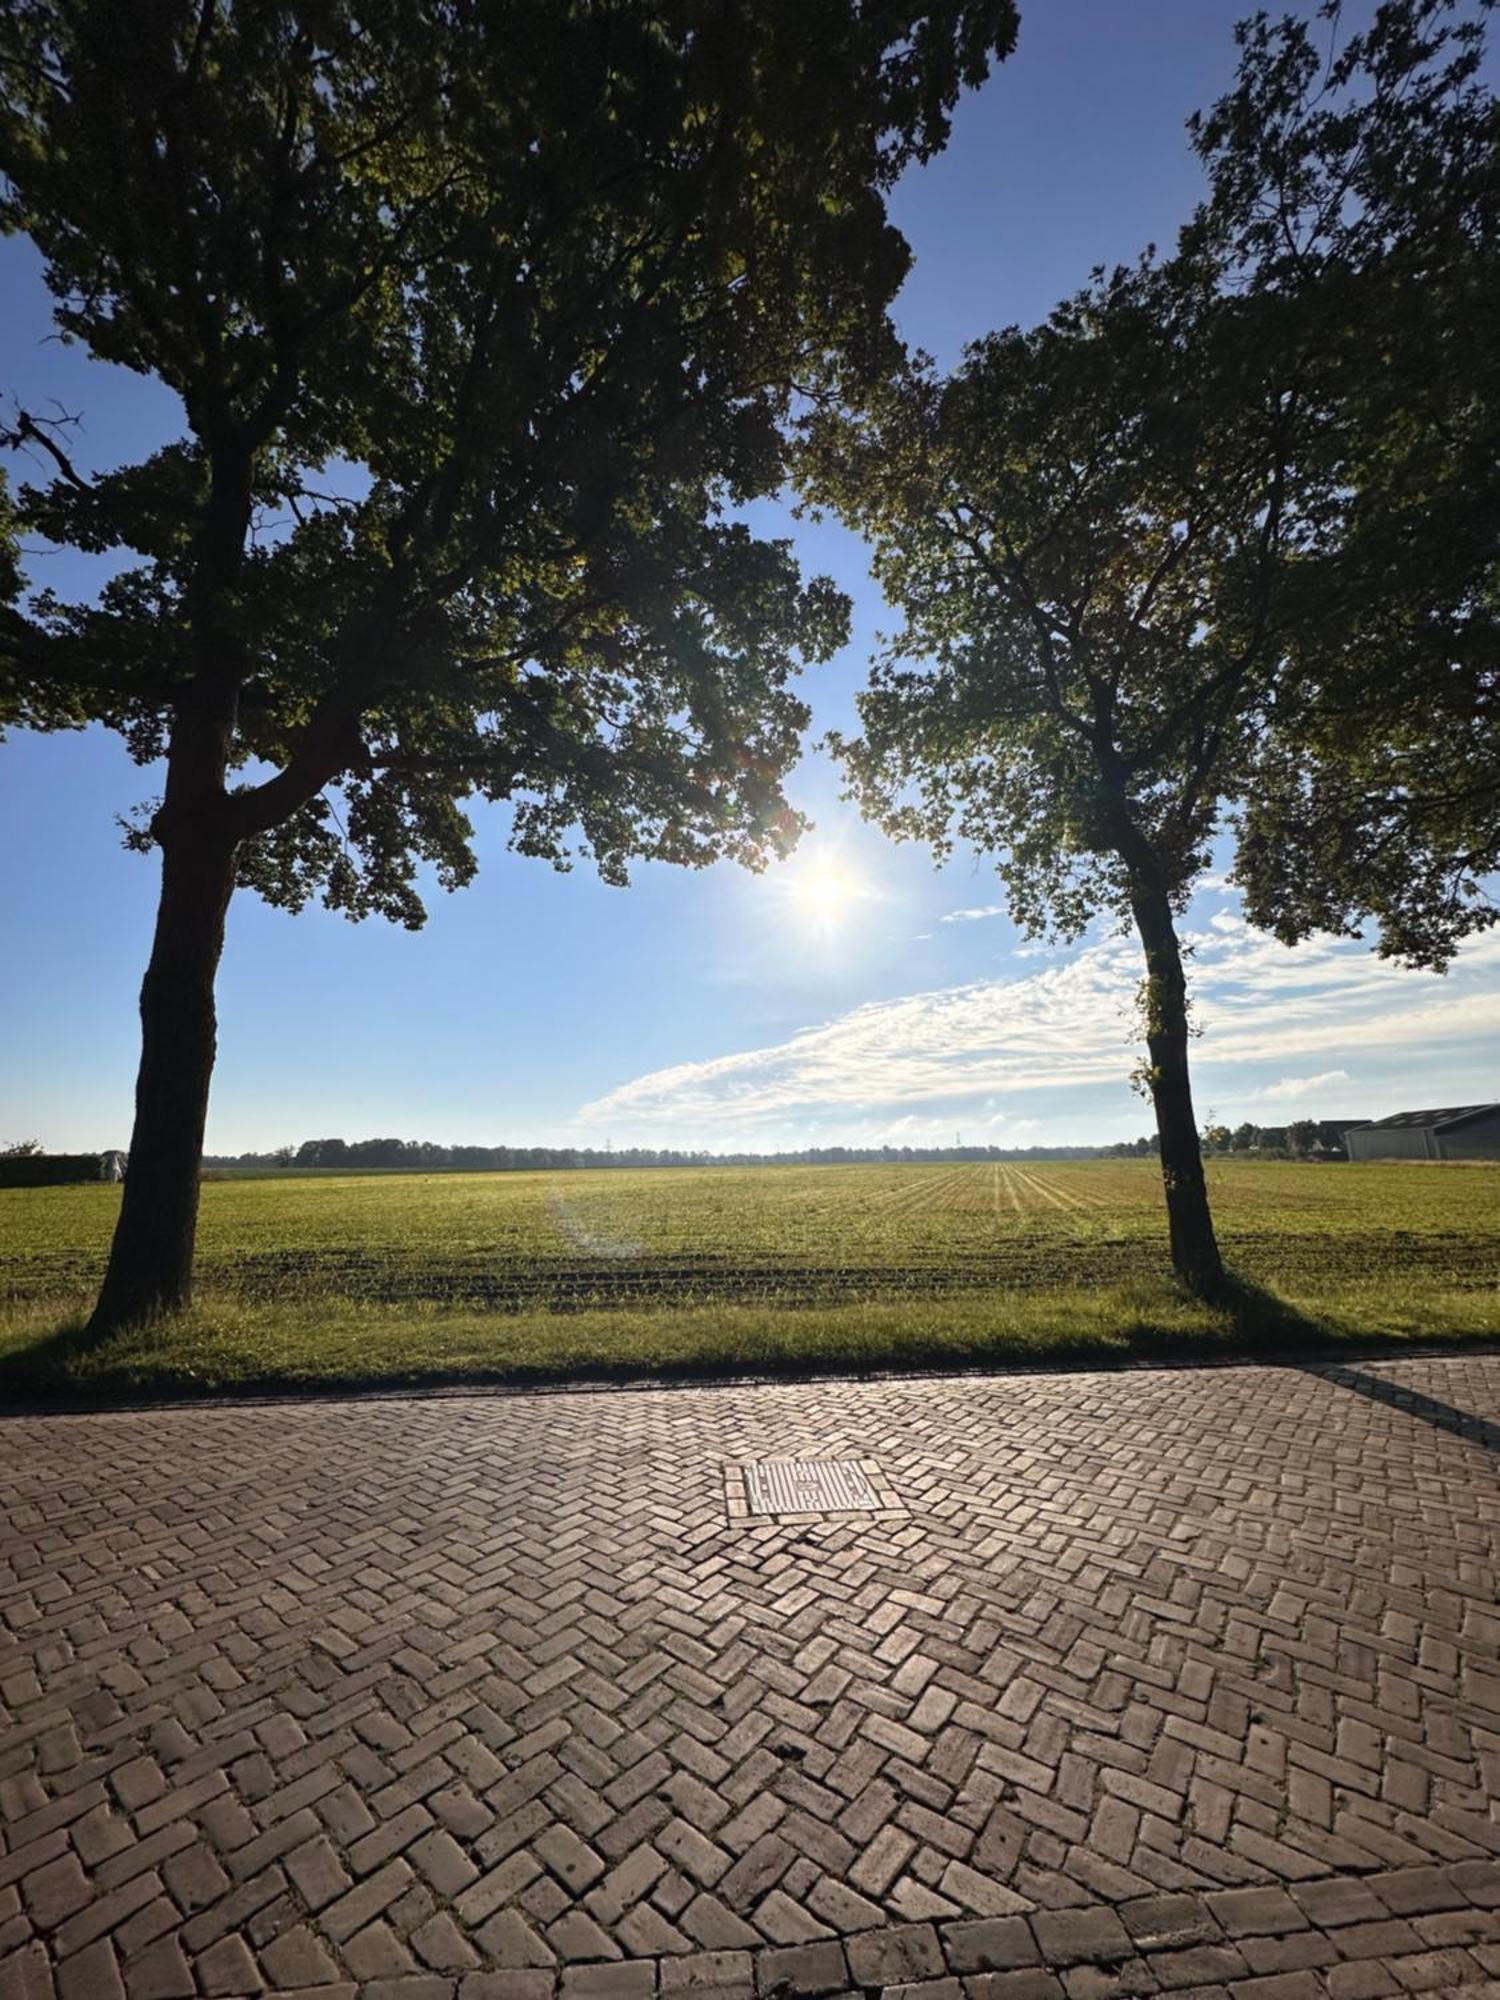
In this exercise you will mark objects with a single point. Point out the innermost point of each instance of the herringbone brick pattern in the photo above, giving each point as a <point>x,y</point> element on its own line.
<point>1175,1681</point>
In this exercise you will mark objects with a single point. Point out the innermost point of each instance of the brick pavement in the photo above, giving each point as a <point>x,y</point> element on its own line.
<point>1179,1681</point>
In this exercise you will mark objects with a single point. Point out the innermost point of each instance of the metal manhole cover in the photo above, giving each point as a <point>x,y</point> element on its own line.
<point>809,1486</point>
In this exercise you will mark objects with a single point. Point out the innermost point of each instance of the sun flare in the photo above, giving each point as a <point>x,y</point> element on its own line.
<point>824,892</point>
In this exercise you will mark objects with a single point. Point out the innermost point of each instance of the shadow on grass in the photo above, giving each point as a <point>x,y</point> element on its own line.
<point>61,1368</point>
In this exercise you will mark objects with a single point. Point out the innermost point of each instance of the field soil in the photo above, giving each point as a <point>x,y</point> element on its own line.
<point>410,1275</point>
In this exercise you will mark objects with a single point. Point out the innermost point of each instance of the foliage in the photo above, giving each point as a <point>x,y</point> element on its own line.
<point>1164,555</point>
<point>424,1155</point>
<point>484,323</point>
<point>1079,528</point>
<point>1305,1138</point>
<point>1355,192</point>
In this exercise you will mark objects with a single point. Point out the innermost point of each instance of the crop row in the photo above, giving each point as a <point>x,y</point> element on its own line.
<point>1033,1263</point>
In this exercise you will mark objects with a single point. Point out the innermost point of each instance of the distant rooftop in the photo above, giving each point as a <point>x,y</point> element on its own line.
<point>1452,1116</point>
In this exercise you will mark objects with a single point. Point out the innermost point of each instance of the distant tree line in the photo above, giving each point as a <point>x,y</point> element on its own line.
<point>1306,1138</point>
<point>1303,1139</point>
<point>417,1155</point>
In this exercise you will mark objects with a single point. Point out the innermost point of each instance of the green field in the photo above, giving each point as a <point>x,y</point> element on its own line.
<point>402,1276</point>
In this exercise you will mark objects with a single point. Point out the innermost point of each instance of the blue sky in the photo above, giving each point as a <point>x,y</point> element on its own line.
<point>718,1009</point>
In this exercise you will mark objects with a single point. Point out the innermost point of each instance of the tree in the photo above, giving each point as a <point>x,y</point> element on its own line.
<point>485,320</point>
<point>1082,531</point>
<point>1302,1137</point>
<point>1220,544</point>
<point>1355,186</point>
<point>1245,1138</point>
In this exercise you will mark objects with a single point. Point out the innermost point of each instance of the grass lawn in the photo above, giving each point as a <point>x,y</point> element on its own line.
<point>466,1277</point>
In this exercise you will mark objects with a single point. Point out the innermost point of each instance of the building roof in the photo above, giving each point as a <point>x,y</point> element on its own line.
<point>1455,1115</point>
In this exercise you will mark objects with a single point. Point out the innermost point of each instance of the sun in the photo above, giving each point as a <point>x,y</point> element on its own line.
<point>824,892</point>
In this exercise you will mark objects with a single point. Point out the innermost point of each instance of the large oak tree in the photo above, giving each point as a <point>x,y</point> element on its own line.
<point>485,317</point>
<point>1218,546</point>
<point>1081,529</point>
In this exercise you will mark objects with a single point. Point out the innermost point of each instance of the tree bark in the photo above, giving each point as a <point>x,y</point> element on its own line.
<point>151,1259</point>
<point>1190,1224</point>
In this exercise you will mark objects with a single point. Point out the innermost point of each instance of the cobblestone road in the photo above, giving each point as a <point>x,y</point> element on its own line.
<point>1173,1681</point>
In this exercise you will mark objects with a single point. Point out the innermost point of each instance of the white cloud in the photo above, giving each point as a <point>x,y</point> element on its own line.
<point>974,916</point>
<point>1303,1086</point>
<point>1067,1025</point>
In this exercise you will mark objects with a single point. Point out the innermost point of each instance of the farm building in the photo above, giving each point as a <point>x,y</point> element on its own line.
<point>1463,1132</point>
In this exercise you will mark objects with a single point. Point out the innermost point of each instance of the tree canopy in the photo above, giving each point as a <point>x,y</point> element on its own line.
<point>485,318</point>
<point>1081,527</point>
<point>1215,547</point>
<point>1355,193</point>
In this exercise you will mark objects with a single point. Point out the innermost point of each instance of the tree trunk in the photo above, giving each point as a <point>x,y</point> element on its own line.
<point>151,1259</point>
<point>1195,1249</point>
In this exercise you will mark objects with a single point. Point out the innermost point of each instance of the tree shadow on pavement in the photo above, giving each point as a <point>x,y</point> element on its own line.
<point>1396,1396</point>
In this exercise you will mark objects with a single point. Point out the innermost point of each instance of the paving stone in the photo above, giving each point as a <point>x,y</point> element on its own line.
<point>1368,1981</point>
<point>297,1959</point>
<point>1415,1891</point>
<point>1281,1986</point>
<point>1158,1923</point>
<point>510,1941</point>
<point>1068,1936</point>
<point>1434,1971</point>
<point>1036,1983</point>
<point>409,1986</point>
<point>994,1944</point>
<point>91,1974</point>
<point>1467,1926</point>
<point>634,1981</point>
<point>709,1971</point>
<point>1337,1901</point>
<point>55,1892</point>
<point>1199,1965</point>
<point>160,1972</point>
<point>376,1952</point>
<point>1303,1951</point>
<point>228,1968</point>
<point>1479,1881</point>
<point>441,1944</point>
<point>1182,1680</point>
<point>802,1969</point>
<point>506,1986</point>
<point>904,1954</point>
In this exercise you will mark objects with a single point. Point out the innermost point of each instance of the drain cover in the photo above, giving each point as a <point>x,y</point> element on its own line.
<point>809,1486</point>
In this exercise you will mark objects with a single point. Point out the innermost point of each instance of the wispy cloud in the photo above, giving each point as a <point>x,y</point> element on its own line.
<point>976,915</point>
<point>1071,1024</point>
<point>1303,1086</point>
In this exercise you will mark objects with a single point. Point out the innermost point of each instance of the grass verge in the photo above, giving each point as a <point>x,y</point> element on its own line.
<point>225,1345</point>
